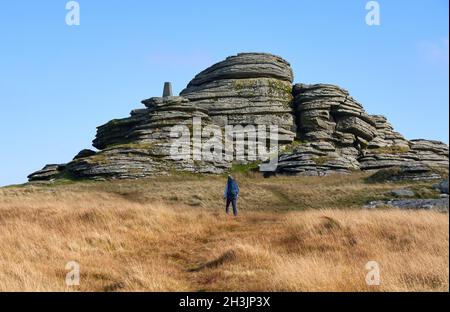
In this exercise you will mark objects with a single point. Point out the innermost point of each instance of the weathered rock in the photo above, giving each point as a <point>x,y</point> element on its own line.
<point>430,153</point>
<point>246,65</point>
<point>49,172</point>
<point>85,153</point>
<point>440,204</point>
<point>442,186</point>
<point>327,114</point>
<point>247,89</point>
<point>412,172</point>
<point>140,145</point>
<point>386,136</point>
<point>330,121</point>
<point>402,193</point>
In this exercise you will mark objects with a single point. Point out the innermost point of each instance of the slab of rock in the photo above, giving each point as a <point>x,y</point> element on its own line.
<point>402,193</point>
<point>412,172</point>
<point>440,204</point>
<point>386,136</point>
<point>49,172</point>
<point>85,153</point>
<point>442,186</point>
<point>246,65</point>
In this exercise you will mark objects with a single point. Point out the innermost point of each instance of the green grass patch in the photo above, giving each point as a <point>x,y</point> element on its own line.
<point>144,146</point>
<point>424,191</point>
<point>322,160</point>
<point>383,175</point>
<point>291,147</point>
<point>242,168</point>
<point>358,199</point>
<point>395,150</point>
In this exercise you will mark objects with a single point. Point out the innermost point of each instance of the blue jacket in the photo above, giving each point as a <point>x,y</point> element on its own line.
<point>231,189</point>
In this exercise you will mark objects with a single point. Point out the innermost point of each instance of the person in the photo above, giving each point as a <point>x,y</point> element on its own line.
<point>231,194</point>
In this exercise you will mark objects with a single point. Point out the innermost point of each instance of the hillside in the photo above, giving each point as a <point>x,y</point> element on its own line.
<point>171,233</point>
<point>144,211</point>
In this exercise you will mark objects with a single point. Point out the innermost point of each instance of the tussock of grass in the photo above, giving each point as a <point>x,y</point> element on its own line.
<point>291,147</point>
<point>322,160</point>
<point>383,175</point>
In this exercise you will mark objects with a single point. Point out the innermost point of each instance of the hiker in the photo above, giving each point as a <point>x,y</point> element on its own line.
<point>231,194</point>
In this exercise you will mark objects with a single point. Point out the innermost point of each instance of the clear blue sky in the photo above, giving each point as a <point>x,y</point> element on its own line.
<point>58,83</point>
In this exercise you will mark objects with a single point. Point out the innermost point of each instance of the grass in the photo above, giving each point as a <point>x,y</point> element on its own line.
<point>291,147</point>
<point>384,175</point>
<point>393,150</point>
<point>322,160</point>
<point>170,234</point>
<point>243,168</point>
<point>143,146</point>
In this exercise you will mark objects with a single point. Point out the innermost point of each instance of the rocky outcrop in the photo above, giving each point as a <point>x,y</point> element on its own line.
<point>333,131</point>
<point>411,172</point>
<point>425,152</point>
<point>337,135</point>
<point>139,145</point>
<point>247,89</point>
<point>321,128</point>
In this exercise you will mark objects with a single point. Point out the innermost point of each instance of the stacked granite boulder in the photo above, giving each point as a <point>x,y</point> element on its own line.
<point>247,89</point>
<point>391,149</point>
<point>321,128</point>
<point>333,131</point>
<point>335,134</point>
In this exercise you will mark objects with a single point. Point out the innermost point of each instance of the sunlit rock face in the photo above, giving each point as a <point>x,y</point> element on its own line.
<point>335,134</point>
<point>247,89</point>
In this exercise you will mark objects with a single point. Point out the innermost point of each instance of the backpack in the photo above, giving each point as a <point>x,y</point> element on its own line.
<point>232,188</point>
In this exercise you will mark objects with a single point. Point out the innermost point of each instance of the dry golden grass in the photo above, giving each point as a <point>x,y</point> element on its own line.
<point>154,236</point>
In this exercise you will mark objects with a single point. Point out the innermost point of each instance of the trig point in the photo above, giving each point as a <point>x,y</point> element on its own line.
<point>167,89</point>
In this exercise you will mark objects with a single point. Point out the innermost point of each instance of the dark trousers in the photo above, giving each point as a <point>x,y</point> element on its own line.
<point>233,201</point>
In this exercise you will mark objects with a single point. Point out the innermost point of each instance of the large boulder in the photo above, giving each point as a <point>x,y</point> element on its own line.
<point>247,89</point>
<point>426,152</point>
<point>442,186</point>
<point>49,172</point>
<point>84,153</point>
